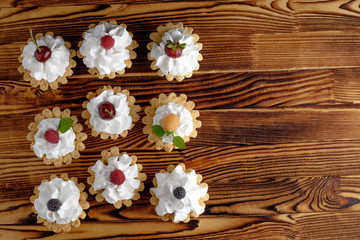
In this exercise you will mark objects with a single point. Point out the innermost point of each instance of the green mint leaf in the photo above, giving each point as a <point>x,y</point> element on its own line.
<point>158,130</point>
<point>178,142</point>
<point>65,124</point>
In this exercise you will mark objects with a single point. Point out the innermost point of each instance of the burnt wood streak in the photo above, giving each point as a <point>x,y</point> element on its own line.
<point>278,93</point>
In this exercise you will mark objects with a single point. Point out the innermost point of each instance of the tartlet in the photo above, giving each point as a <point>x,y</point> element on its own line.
<point>55,69</point>
<point>178,194</point>
<point>115,123</point>
<point>174,50</point>
<point>60,203</point>
<point>107,49</point>
<point>47,128</point>
<point>116,178</point>
<point>175,116</point>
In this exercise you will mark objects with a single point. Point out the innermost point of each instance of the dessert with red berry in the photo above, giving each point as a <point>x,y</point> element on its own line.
<point>56,136</point>
<point>174,51</point>
<point>116,178</point>
<point>110,112</point>
<point>171,121</point>
<point>46,61</point>
<point>107,49</point>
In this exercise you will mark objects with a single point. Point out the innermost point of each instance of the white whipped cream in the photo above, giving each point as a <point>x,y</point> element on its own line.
<point>186,124</point>
<point>167,182</point>
<point>112,192</point>
<point>53,150</point>
<point>122,120</point>
<point>52,68</point>
<point>67,193</point>
<point>182,65</point>
<point>106,60</point>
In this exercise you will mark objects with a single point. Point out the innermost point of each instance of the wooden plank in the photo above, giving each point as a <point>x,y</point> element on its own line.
<point>284,226</point>
<point>230,90</point>
<point>216,164</point>
<point>347,86</point>
<point>204,228</point>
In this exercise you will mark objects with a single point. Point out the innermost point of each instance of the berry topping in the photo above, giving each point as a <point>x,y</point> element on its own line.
<point>117,177</point>
<point>42,53</point>
<point>179,193</point>
<point>53,204</point>
<point>107,42</point>
<point>174,49</point>
<point>106,110</point>
<point>171,122</point>
<point>52,136</point>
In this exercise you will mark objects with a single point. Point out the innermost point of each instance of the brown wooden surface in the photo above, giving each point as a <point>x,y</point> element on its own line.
<point>278,93</point>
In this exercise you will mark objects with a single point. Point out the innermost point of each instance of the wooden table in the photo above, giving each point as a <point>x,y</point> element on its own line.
<point>278,93</point>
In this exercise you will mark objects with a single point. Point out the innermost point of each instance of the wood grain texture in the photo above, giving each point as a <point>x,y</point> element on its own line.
<point>208,91</point>
<point>278,95</point>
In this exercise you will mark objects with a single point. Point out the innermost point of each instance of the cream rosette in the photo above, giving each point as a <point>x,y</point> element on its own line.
<point>54,70</point>
<point>110,60</point>
<point>69,144</point>
<point>180,67</point>
<point>178,194</point>
<point>60,203</point>
<point>112,168</point>
<point>124,118</point>
<point>171,105</point>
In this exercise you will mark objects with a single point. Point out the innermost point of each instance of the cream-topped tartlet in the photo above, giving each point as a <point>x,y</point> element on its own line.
<point>116,178</point>
<point>107,48</point>
<point>178,194</point>
<point>171,121</point>
<point>56,136</point>
<point>46,61</point>
<point>174,51</point>
<point>110,112</point>
<point>60,202</point>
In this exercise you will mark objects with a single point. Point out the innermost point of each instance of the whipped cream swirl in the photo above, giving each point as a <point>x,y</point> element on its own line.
<point>168,203</point>
<point>182,65</point>
<point>122,120</point>
<point>106,60</point>
<point>112,192</point>
<point>53,150</point>
<point>67,193</point>
<point>52,68</point>
<point>186,124</point>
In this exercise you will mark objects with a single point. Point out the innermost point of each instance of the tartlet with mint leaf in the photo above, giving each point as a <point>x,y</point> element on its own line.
<point>171,121</point>
<point>56,136</point>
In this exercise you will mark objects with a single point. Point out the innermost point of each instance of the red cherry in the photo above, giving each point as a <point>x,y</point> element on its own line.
<point>171,53</point>
<point>106,110</point>
<point>117,177</point>
<point>107,42</point>
<point>44,55</point>
<point>52,136</point>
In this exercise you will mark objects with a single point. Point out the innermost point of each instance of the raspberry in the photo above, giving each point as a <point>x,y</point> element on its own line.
<point>52,136</point>
<point>117,177</point>
<point>179,193</point>
<point>107,42</point>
